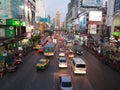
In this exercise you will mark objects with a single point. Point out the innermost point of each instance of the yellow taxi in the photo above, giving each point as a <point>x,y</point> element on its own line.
<point>36,47</point>
<point>42,64</point>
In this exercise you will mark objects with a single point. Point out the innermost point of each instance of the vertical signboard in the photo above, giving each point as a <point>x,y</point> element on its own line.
<point>3,9</point>
<point>2,32</point>
<point>83,24</point>
<point>93,28</point>
<point>10,32</point>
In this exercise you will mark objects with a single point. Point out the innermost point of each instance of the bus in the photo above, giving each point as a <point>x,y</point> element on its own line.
<point>49,49</point>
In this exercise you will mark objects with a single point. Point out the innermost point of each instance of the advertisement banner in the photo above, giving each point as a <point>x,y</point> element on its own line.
<point>92,3</point>
<point>95,16</point>
<point>2,21</point>
<point>2,32</point>
<point>83,24</point>
<point>3,9</point>
<point>10,32</point>
<point>93,29</point>
<point>44,20</point>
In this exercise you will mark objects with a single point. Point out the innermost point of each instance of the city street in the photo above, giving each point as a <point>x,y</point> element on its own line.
<point>98,77</point>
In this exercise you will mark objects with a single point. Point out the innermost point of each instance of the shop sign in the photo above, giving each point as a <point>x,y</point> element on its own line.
<point>23,23</point>
<point>17,23</point>
<point>2,21</point>
<point>2,32</point>
<point>93,29</point>
<point>13,22</point>
<point>10,32</point>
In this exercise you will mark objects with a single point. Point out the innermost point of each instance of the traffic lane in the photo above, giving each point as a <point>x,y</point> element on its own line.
<point>26,78</point>
<point>44,79</point>
<point>101,76</point>
<point>80,81</point>
<point>23,77</point>
<point>12,80</point>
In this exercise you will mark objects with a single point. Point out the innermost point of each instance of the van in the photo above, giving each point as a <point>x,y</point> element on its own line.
<point>78,66</point>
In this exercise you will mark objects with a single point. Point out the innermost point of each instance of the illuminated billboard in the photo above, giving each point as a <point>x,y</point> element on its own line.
<point>83,24</point>
<point>44,20</point>
<point>93,29</point>
<point>95,16</point>
<point>92,3</point>
<point>3,9</point>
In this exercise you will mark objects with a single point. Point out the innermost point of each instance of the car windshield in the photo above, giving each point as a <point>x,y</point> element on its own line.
<point>66,84</point>
<point>80,65</point>
<point>70,53</point>
<point>63,61</point>
<point>62,51</point>
<point>79,50</point>
<point>41,62</point>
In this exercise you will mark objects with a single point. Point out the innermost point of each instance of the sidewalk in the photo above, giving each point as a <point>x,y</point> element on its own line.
<point>103,58</point>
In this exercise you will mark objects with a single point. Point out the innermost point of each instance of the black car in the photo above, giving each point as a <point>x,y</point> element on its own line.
<point>79,51</point>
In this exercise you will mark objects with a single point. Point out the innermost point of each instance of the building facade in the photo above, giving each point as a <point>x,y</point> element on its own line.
<point>113,19</point>
<point>58,20</point>
<point>17,18</point>
<point>40,10</point>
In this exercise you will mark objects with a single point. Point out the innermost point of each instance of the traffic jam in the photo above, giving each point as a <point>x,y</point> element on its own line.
<point>57,45</point>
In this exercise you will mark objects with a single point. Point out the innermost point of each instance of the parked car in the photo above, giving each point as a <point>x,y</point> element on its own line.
<point>42,64</point>
<point>11,68</point>
<point>66,82</point>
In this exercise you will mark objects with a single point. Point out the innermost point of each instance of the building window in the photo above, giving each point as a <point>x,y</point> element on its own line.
<point>117,5</point>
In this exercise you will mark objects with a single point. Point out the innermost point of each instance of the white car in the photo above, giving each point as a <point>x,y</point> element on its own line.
<point>62,62</point>
<point>66,82</point>
<point>61,53</point>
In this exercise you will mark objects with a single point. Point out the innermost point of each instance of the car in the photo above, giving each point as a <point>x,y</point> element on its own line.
<point>65,81</point>
<point>79,51</point>
<point>11,68</point>
<point>62,62</point>
<point>70,54</point>
<point>79,66</point>
<point>40,50</point>
<point>42,64</point>
<point>61,53</point>
<point>36,47</point>
<point>75,42</point>
<point>18,61</point>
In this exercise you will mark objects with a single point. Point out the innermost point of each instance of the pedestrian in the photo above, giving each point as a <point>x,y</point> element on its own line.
<point>1,71</point>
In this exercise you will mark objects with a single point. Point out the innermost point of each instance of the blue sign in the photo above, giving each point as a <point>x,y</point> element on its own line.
<point>92,3</point>
<point>83,25</point>
<point>44,20</point>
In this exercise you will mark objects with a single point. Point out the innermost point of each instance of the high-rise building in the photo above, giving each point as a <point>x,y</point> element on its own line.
<point>113,18</point>
<point>40,10</point>
<point>58,20</point>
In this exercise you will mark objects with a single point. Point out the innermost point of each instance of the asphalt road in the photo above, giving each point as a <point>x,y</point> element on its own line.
<point>99,76</point>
